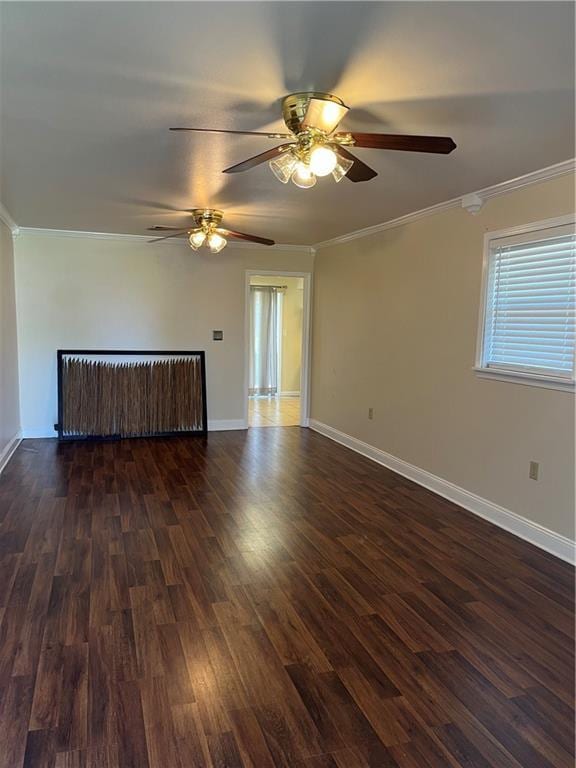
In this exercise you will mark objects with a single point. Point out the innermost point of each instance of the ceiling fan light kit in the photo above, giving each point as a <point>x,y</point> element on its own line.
<point>206,231</point>
<point>311,117</point>
<point>320,161</point>
<point>313,148</point>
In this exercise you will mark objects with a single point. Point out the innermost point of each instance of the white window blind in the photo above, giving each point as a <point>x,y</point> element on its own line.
<point>530,322</point>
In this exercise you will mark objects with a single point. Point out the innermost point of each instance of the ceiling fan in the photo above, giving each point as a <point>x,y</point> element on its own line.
<point>206,230</point>
<point>316,149</point>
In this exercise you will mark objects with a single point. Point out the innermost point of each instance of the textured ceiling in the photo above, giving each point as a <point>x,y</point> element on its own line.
<point>89,90</point>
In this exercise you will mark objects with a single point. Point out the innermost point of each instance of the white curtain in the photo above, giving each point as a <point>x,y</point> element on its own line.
<point>263,379</point>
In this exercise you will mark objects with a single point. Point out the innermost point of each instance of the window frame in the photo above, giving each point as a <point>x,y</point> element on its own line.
<point>511,374</point>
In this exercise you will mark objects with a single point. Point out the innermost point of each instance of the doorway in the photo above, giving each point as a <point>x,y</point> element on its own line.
<point>277,320</point>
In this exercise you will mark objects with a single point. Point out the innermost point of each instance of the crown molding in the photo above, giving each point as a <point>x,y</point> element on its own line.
<point>180,241</point>
<point>462,201</point>
<point>391,224</point>
<point>535,177</point>
<point>8,220</point>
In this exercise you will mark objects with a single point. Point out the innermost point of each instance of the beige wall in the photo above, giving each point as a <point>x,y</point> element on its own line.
<point>94,293</point>
<point>9,407</point>
<point>394,328</point>
<point>292,316</point>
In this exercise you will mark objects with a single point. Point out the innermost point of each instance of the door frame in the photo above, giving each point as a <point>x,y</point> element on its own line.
<point>280,340</point>
<point>306,332</point>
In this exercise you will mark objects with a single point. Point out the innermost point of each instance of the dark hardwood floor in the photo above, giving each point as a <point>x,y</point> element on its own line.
<point>268,599</point>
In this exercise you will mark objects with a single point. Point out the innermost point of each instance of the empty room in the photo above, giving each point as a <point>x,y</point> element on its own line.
<point>287,384</point>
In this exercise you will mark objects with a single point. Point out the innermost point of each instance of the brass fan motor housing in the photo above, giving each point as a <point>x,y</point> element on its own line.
<point>294,107</point>
<point>207,218</point>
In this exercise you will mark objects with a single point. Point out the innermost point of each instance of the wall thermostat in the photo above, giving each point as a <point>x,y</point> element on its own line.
<point>217,335</point>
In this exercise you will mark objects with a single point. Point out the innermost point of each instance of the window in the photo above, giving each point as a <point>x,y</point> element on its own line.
<point>528,321</point>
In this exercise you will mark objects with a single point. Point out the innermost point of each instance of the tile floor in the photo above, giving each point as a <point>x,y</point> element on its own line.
<point>274,411</point>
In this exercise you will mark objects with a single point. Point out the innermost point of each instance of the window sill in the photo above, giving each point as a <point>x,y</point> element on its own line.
<point>528,379</point>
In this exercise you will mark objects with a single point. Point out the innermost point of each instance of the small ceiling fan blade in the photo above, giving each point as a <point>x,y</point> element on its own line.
<point>174,234</point>
<point>359,171</point>
<point>244,236</point>
<point>324,115</point>
<point>240,133</point>
<point>160,228</point>
<point>441,145</point>
<point>252,162</point>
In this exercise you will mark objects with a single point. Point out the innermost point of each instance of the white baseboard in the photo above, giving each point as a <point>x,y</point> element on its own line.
<point>544,538</point>
<point>225,425</point>
<point>290,393</point>
<point>38,433</point>
<point>6,454</point>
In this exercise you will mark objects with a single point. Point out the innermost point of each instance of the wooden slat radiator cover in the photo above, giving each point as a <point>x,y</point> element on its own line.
<point>130,397</point>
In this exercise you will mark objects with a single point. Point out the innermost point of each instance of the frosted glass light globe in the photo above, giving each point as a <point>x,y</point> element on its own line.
<point>197,239</point>
<point>322,161</point>
<point>283,167</point>
<point>216,242</point>
<point>303,176</point>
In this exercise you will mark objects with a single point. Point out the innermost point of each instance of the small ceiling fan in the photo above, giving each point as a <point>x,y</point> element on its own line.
<point>206,230</point>
<point>315,149</point>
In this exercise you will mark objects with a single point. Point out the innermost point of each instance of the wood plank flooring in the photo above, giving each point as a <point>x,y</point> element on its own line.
<point>268,598</point>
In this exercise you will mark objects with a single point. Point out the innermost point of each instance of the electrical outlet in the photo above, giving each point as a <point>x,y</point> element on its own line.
<point>534,469</point>
<point>370,413</point>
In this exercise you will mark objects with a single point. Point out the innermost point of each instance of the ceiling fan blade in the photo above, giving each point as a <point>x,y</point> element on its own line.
<point>359,171</point>
<point>442,145</point>
<point>160,228</point>
<point>166,237</point>
<point>252,162</point>
<point>240,133</point>
<point>244,236</point>
<point>324,115</point>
